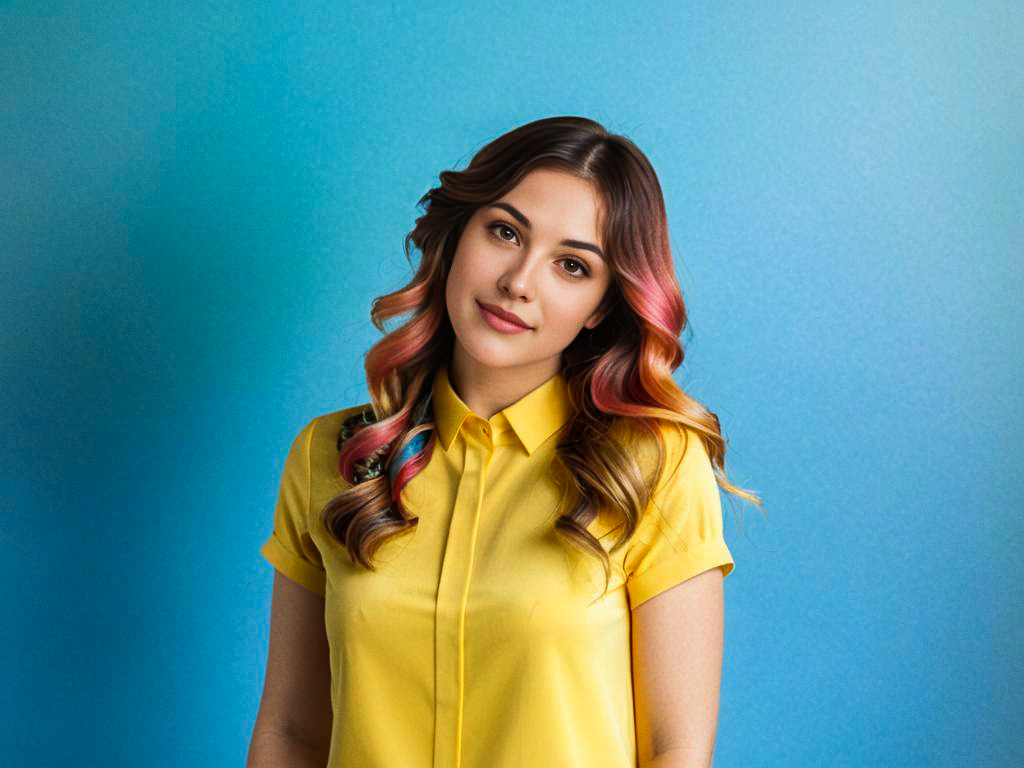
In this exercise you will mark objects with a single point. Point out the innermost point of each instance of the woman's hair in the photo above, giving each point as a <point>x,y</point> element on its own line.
<point>619,374</point>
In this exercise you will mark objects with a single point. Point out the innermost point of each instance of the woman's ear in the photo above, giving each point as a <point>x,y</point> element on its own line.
<point>595,319</point>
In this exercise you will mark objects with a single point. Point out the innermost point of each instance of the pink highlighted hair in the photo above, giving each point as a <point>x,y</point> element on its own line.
<point>619,374</point>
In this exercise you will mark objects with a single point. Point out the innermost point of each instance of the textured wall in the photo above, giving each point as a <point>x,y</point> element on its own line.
<point>199,200</point>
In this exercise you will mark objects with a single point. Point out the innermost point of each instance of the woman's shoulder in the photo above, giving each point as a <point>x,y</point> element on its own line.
<point>674,440</point>
<point>317,443</point>
<point>328,430</point>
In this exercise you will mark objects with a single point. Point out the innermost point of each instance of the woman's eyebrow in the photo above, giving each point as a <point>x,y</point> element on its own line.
<point>518,216</point>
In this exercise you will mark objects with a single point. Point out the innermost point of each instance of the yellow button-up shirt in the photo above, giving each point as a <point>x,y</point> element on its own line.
<point>482,640</point>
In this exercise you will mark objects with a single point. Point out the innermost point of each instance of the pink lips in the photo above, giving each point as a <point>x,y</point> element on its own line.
<point>500,320</point>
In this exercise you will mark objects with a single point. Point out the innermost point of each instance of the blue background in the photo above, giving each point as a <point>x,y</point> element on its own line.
<point>198,202</point>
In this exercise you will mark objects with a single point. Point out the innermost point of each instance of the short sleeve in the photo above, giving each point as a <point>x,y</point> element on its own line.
<point>680,533</point>
<point>289,548</point>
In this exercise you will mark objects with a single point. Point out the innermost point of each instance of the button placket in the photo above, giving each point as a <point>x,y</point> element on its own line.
<point>452,596</point>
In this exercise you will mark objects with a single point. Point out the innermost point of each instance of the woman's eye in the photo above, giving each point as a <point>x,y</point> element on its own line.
<point>506,233</point>
<point>579,270</point>
<point>503,230</point>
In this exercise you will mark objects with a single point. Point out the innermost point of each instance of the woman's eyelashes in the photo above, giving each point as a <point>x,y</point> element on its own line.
<point>500,231</point>
<point>506,227</point>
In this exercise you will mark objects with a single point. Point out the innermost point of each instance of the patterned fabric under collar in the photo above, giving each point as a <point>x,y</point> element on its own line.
<point>372,466</point>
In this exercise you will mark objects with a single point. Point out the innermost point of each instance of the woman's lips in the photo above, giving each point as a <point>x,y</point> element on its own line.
<point>500,323</point>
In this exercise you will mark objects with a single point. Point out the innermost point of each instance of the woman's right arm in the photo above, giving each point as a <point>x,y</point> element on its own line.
<point>293,725</point>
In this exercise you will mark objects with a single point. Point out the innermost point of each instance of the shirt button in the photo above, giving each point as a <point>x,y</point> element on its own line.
<point>487,430</point>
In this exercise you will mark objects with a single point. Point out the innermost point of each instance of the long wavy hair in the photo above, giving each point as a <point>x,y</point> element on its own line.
<point>619,374</point>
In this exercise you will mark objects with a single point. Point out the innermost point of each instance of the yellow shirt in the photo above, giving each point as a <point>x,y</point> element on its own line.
<point>482,640</point>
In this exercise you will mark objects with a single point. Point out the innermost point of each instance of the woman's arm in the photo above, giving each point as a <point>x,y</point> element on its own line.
<point>293,726</point>
<point>677,670</point>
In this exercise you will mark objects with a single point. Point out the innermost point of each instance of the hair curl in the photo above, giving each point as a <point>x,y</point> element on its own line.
<point>619,374</point>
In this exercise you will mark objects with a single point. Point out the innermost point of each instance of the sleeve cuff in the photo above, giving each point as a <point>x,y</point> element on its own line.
<point>678,568</point>
<point>294,567</point>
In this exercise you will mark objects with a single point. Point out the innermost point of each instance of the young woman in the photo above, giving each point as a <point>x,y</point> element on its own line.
<point>512,556</point>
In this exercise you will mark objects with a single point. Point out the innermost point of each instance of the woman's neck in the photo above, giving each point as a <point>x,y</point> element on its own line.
<point>488,390</point>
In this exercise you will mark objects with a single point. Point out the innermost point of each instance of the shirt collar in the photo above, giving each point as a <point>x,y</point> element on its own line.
<point>534,417</point>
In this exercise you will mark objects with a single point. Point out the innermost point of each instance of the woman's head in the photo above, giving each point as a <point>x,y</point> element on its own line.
<point>606,194</point>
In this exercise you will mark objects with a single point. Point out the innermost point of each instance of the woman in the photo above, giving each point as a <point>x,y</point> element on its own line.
<point>513,555</point>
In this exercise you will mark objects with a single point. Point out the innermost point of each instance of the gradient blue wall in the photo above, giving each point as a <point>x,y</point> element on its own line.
<point>199,200</point>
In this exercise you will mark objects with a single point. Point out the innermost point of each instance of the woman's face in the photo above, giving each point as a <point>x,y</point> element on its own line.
<point>535,252</point>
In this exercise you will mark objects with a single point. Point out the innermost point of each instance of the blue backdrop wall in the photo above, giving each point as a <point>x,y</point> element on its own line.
<point>199,200</point>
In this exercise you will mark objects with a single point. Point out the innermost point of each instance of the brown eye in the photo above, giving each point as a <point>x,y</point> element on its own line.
<point>580,270</point>
<point>501,229</point>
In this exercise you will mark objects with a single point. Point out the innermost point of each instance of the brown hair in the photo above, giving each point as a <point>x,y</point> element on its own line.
<point>619,374</point>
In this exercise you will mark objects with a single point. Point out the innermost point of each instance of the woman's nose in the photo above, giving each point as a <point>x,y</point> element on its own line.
<point>518,280</point>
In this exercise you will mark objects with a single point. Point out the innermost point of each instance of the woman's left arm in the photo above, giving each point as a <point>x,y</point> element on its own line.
<point>678,637</point>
